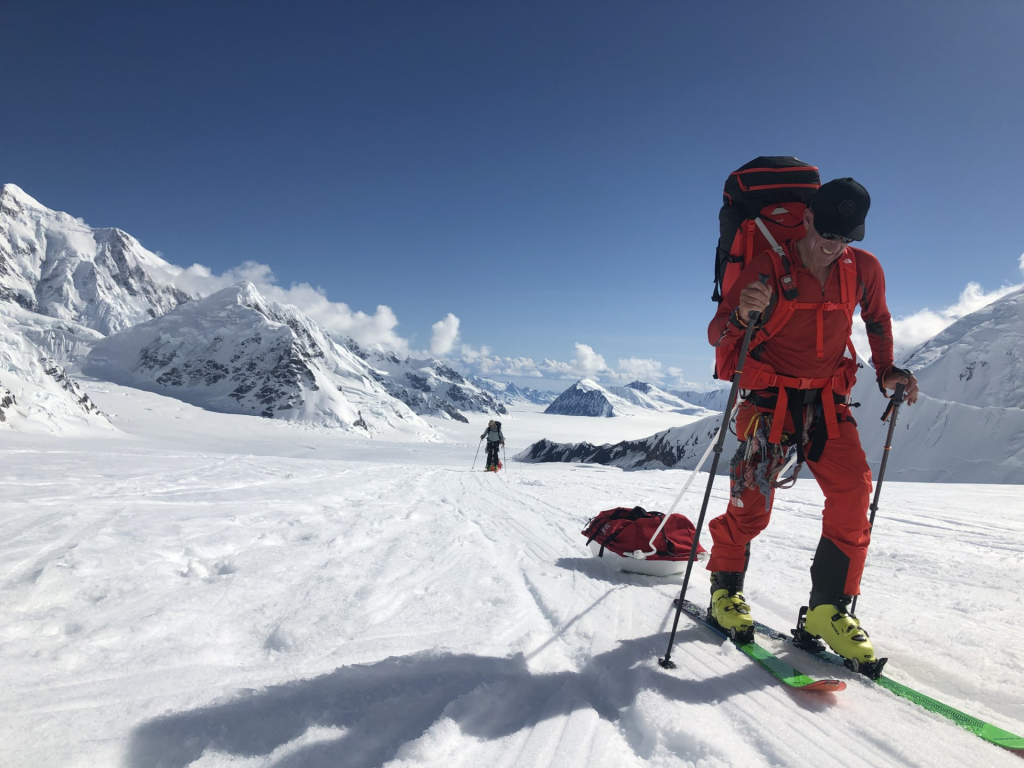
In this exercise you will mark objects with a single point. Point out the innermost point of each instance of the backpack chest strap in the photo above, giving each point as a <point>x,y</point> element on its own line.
<point>820,310</point>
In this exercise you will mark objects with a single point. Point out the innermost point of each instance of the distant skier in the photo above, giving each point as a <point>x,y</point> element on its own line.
<point>797,382</point>
<point>495,439</point>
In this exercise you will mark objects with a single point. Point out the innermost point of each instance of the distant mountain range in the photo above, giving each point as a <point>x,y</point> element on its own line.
<point>427,386</point>
<point>967,427</point>
<point>588,398</point>
<point>509,394</point>
<point>712,399</point>
<point>72,295</point>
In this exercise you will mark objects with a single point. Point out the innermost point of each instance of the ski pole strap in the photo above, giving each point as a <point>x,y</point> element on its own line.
<point>893,369</point>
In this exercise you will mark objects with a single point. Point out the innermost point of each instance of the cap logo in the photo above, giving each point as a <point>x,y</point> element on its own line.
<point>847,207</point>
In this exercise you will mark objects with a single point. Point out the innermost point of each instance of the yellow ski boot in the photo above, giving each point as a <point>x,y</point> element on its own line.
<point>728,610</point>
<point>833,623</point>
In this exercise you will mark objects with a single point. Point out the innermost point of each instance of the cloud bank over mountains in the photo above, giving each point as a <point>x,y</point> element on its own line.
<point>377,329</point>
<point>914,330</point>
<point>380,330</point>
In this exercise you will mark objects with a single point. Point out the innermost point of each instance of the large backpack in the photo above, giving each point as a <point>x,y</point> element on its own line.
<point>774,189</point>
<point>764,204</point>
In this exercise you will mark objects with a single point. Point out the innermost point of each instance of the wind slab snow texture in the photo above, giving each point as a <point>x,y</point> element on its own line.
<point>213,590</point>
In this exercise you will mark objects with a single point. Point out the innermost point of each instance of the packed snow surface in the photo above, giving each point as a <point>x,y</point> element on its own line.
<point>206,589</point>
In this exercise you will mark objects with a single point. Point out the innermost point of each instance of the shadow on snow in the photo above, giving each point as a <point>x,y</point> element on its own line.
<point>383,705</point>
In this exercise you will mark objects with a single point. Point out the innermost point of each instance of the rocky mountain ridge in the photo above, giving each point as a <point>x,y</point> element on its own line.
<point>237,352</point>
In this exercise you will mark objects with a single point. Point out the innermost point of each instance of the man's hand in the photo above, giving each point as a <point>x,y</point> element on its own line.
<point>753,298</point>
<point>907,379</point>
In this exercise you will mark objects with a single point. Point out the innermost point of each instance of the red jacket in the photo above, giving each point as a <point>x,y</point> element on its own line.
<point>793,350</point>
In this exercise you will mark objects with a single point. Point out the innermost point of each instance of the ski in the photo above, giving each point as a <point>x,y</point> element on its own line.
<point>986,731</point>
<point>779,669</point>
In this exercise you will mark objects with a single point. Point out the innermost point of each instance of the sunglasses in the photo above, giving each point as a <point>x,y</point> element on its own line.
<point>830,237</point>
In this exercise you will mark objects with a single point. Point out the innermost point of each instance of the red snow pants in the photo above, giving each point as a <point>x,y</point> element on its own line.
<point>843,474</point>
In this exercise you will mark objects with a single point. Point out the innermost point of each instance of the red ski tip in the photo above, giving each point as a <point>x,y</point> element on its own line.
<point>824,685</point>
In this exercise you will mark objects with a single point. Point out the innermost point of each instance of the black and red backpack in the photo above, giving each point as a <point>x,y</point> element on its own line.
<point>775,190</point>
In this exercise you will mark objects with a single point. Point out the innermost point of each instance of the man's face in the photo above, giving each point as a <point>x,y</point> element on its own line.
<point>822,252</point>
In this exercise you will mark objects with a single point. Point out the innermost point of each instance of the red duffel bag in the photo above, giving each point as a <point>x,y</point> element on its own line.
<point>622,538</point>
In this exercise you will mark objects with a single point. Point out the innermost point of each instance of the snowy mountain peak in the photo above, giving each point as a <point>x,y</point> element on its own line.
<point>12,196</point>
<point>248,295</point>
<point>237,352</point>
<point>585,398</point>
<point>55,265</point>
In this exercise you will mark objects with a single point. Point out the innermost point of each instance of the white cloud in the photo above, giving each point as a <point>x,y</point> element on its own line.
<point>639,369</point>
<point>377,329</point>
<point>587,361</point>
<point>446,333</point>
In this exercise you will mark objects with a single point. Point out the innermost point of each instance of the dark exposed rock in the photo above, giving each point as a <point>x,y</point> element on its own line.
<point>7,402</point>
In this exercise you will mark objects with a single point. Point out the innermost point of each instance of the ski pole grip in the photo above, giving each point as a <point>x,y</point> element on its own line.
<point>754,317</point>
<point>897,395</point>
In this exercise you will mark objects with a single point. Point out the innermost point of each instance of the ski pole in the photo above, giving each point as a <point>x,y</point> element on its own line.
<point>504,456</point>
<point>752,320</point>
<point>477,453</point>
<point>891,412</point>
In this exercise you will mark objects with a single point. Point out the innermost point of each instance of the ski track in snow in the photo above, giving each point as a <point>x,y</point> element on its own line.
<point>174,608</point>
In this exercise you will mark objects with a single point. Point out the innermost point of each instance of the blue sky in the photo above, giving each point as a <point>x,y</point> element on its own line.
<point>547,172</point>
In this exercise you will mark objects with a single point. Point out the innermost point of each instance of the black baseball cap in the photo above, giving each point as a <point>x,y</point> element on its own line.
<point>840,207</point>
